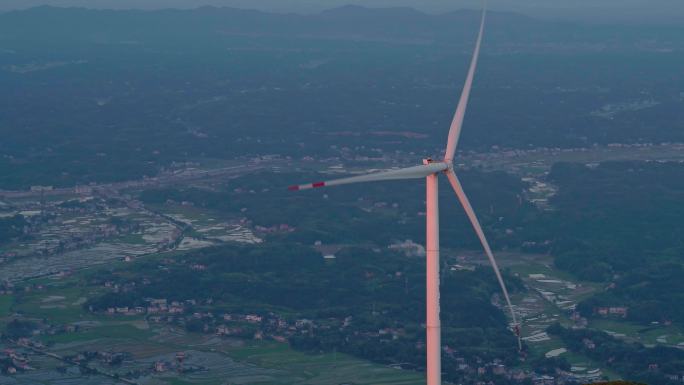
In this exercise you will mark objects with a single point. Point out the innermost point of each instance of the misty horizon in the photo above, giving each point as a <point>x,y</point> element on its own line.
<point>187,196</point>
<point>639,11</point>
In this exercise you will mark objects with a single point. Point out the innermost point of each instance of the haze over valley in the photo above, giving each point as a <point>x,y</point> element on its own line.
<point>147,234</point>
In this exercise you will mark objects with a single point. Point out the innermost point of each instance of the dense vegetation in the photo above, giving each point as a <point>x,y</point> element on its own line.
<point>85,103</point>
<point>620,223</point>
<point>636,362</point>
<point>104,96</point>
<point>652,294</point>
<point>618,383</point>
<point>11,228</point>
<point>617,217</point>
<point>379,290</point>
<point>378,214</point>
<point>18,329</point>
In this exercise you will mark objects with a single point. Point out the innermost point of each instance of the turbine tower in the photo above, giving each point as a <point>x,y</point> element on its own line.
<point>430,170</point>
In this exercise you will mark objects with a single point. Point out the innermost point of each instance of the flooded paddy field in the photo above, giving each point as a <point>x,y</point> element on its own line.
<point>67,235</point>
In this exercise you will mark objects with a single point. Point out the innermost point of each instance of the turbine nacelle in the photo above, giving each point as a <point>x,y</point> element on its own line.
<point>415,172</point>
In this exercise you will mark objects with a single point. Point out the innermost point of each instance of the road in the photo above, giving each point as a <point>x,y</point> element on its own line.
<point>174,178</point>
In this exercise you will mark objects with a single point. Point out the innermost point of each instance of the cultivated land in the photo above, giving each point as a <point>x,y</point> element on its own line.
<point>76,231</point>
<point>208,359</point>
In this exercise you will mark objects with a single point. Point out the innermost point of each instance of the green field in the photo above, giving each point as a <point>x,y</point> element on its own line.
<point>319,369</point>
<point>238,361</point>
<point>60,305</point>
<point>6,305</point>
<point>135,239</point>
<point>645,334</point>
<point>109,331</point>
<point>232,361</point>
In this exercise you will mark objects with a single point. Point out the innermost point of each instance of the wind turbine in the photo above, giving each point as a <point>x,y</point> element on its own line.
<point>430,170</point>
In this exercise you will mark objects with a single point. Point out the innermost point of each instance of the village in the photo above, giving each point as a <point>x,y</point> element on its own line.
<point>92,226</point>
<point>243,326</point>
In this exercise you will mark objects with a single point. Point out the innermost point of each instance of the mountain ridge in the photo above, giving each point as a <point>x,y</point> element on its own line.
<point>394,22</point>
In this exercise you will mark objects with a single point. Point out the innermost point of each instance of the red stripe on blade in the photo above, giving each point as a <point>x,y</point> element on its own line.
<point>319,184</point>
<point>293,188</point>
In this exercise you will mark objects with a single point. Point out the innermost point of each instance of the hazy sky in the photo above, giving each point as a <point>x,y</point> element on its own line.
<point>617,10</point>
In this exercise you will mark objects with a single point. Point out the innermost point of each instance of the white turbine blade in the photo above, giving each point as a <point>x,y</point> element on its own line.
<point>458,189</point>
<point>404,173</point>
<point>457,122</point>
